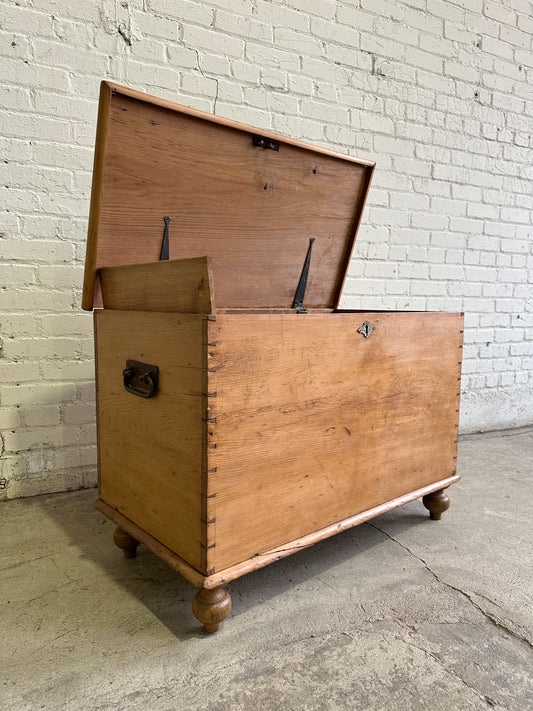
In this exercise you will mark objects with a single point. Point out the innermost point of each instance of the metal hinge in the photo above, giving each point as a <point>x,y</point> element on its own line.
<point>298,302</point>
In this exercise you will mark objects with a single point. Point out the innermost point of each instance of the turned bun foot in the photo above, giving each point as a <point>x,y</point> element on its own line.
<point>436,503</point>
<point>211,607</point>
<point>128,544</point>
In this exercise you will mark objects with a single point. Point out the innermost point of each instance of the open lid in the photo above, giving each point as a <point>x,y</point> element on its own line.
<point>249,199</point>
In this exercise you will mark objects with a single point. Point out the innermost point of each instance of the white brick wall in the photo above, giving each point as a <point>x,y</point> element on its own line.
<point>438,92</point>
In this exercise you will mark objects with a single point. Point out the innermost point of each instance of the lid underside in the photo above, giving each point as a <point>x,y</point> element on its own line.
<point>251,209</point>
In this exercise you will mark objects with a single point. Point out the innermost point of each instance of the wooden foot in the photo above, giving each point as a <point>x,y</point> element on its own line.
<point>211,607</point>
<point>437,503</point>
<point>126,542</point>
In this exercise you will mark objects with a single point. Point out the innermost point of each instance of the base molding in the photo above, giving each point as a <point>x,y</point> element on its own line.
<point>221,578</point>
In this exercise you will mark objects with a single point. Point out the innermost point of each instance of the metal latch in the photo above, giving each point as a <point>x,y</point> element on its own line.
<point>262,142</point>
<point>366,329</point>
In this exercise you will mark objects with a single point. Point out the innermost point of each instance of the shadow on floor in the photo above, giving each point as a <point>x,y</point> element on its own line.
<point>168,596</point>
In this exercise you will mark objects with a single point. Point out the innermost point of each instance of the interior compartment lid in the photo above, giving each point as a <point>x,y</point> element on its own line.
<point>249,199</point>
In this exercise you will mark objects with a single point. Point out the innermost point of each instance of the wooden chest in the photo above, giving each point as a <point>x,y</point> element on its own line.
<point>241,415</point>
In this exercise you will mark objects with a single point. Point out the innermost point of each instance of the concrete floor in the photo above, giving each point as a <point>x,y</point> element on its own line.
<point>397,614</point>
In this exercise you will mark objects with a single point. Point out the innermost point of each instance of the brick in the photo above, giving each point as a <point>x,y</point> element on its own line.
<point>355,17</point>
<point>280,59</point>
<point>435,82</point>
<point>42,348</point>
<point>47,415</point>
<point>274,78</point>
<point>185,11</point>
<point>380,123</point>
<point>323,111</point>
<point>16,274</point>
<point>461,71</point>
<point>424,60</point>
<point>277,15</point>
<point>385,8</point>
<point>9,419</point>
<point>349,57</point>
<point>498,11</point>
<point>246,114</point>
<point>322,8</point>
<point>482,211</point>
<point>154,25</point>
<point>192,83</point>
<point>299,127</point>
<point>19,372</point>
<point>457,288</point>
<point>229,91</point>
<point>427,288</point>
<point>516,246</point>
<point>16,18</point>
<point>213,41</point>
<point>380,270</point>
<point>51,436</point>
<point>334,33</point>
<point>78,414</point>
<point>69,370</point>
<point>447,272</point>
<point>245,71</point>
<point>383,47</point>
<point>409,201</point>
<point>386,144</point>
<point>245,27</point>
<point>430,221</point>
<point>515,214</point>
<point>448,207</point>
<point>37,393</point>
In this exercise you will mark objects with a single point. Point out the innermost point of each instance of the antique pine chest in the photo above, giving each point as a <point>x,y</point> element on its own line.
<point>241,414</point>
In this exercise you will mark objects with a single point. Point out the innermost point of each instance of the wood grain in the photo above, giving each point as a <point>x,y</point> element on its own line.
<point>251,210</point>
<point>211,606</point>
<point>91,284</point>
<point>437,503</point>
<point>150,450</point>
<point>175,285</point>
<point>125,542</point>
<point>157,548</point>
<point>225,576</point>
<point>290,547</point>
<point>314,423</point>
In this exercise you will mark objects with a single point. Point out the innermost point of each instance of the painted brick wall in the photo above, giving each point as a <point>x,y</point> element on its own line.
<point>438,92</point>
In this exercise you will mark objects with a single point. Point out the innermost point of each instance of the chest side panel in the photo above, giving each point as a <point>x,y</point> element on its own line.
<point>315,422</point>
<point>151,450</point>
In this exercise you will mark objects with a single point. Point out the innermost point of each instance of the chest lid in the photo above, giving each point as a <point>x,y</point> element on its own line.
<point>249,199</point>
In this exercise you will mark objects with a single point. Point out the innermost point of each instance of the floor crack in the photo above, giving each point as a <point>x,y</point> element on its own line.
<point>490,702</point>
<point>493,620</point>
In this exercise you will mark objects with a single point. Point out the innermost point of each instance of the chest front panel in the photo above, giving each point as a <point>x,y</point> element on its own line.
<point>315,422</point>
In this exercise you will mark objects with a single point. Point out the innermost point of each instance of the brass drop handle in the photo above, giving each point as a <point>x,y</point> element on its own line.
<point>141,379</point>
